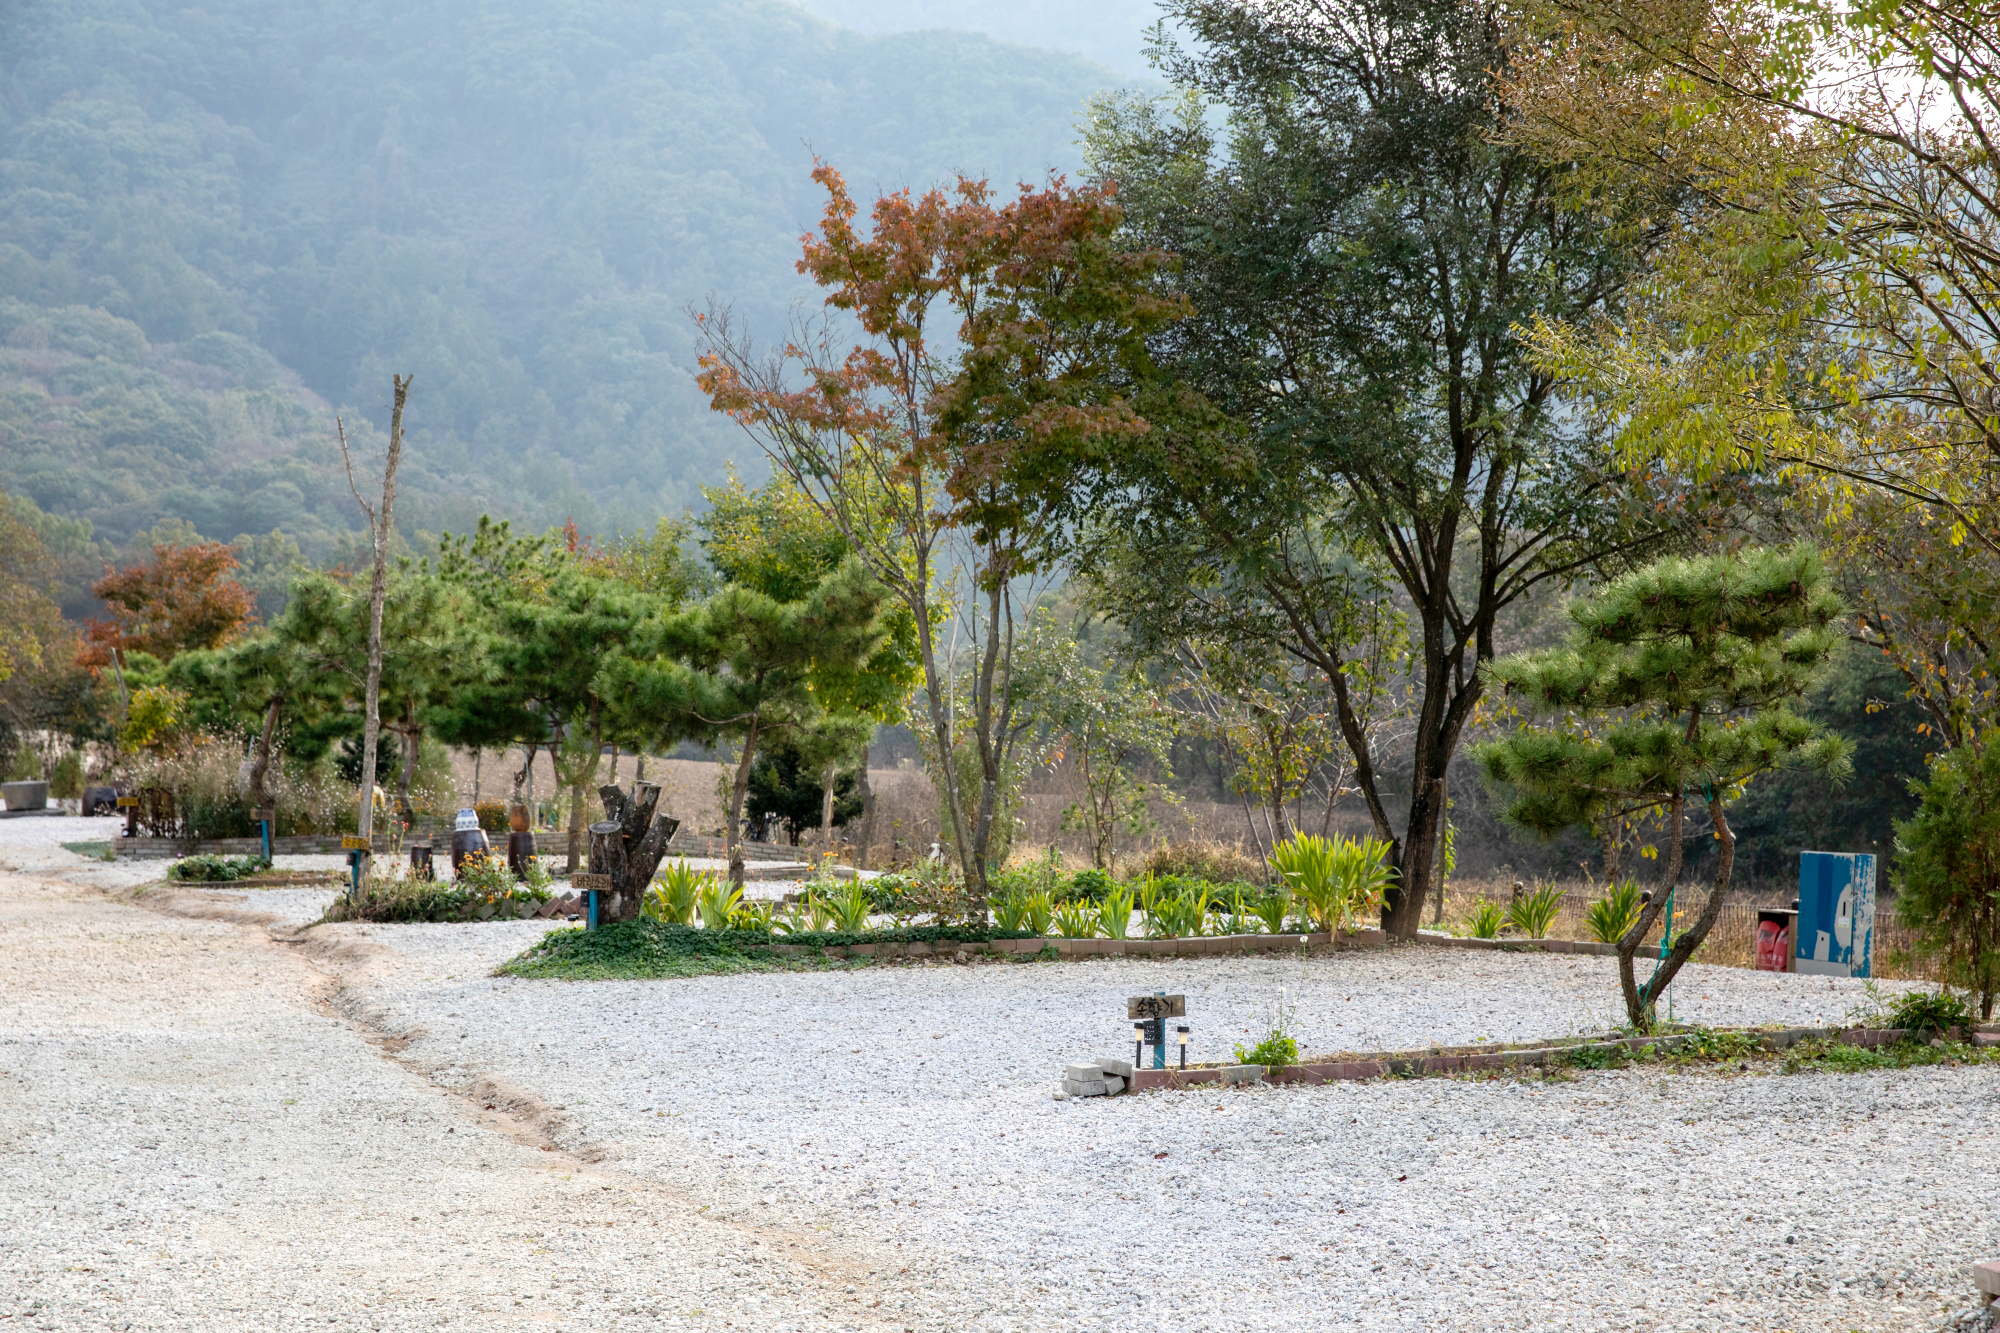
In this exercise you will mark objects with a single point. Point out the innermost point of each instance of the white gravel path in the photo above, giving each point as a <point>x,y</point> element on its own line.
<point>191,1139</point>
<point>909,1108</point>
<point>891,1130</point>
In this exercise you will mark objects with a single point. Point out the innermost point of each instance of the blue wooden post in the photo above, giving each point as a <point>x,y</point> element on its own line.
<point>1160,1038</point>
<point>264,825</point>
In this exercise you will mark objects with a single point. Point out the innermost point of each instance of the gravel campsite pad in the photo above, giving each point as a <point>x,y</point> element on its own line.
<point>909,1110</point>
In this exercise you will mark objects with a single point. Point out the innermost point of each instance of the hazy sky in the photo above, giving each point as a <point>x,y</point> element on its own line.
<point>1110,31</point>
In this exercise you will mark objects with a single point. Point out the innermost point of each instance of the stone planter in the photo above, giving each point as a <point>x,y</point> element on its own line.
<point>25,795</point>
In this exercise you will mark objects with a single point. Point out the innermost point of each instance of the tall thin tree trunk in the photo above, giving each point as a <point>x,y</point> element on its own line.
<point>261,766</point>
<point>826,810</point>
<point>380,525</point>
<point>867,810</point>
<point>477,755</point>
<point>739,791</point>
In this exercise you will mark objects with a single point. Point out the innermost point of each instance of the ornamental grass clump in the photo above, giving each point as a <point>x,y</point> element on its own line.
<point>850,908</point>
<point>676,891</point>
<point>1533,913</point>
<point>1608,918</point>
<point>1680,679</point>
<point>1334,881</point>
<point>1077,919</point>
<point>1486,920</point>
<point>1114,914</point>
<point>716,902</point>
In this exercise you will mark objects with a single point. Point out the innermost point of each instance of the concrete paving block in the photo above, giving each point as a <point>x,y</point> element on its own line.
<point>1084,1073</point>
<point>1986,1278</point>
<point>1112,1065</point>
<point>1243,1074</point>
<point>1085,1087</point>
<point>1114,1085</point>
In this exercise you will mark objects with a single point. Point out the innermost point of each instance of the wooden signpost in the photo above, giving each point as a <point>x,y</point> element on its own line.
<point>593,886</point>
<point>130,805</point>
<point>1149,1015</point>
<point>350,843</point>
<point>585,880</point>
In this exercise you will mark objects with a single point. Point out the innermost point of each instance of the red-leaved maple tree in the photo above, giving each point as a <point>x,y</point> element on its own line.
<point>182,598</point>
<point>1002,350</point>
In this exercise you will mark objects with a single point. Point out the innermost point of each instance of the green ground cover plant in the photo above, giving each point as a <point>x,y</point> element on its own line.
<point>209,868</point>
<point>647,949</point>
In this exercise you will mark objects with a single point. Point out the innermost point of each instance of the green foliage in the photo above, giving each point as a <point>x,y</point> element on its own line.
<point>716,902</point>
<point>850,908</point>
<point>181,236</point>
<point>1712,1045</point>
<point>1487,918</point>
<point>1930,1011</point>
<point>1947,870</point>
<point>1092,885</point>
<point>1020,910</point>
<point>1275,1051</point>
<point>1114,914</point>
<point>1678,679</point>
<point>1608,918</point>
<point>1335,881</point>
<point>644,949</point>
<point>675,893</point>
<point>1535,911</point>
<point>1272,909</point>
<point>211,868</point>
<point>485,876</point>
<point>754,914</point>
<point>1077,919</point>
<point>1172,909</point>
<point>395,897</point>
<point>66,778</point>
<point>1105,722</point>
<point>1839,1057</point>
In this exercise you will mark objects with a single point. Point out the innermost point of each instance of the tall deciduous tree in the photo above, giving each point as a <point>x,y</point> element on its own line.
<point>1360,255</point>
<point>744,666</point>
<point>997,347</point>
<point>381,517</point>
<point>182,598</point>
<point>1831,302</point>
<point>1679,680</point>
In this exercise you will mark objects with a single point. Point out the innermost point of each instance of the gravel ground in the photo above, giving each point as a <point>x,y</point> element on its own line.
<point>193,1121</point>
<point>192,1138</point>
<point>910,1108</point>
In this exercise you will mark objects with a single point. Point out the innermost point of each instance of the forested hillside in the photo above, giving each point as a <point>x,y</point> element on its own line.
<point>219,225</point>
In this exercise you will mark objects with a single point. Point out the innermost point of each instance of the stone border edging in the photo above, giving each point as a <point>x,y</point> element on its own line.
<point>1405,1066</point>
<point>1192,946</point>
<point>1516,944</point>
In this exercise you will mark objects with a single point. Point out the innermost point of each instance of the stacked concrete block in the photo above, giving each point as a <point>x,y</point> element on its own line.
<point>1105,1077</point>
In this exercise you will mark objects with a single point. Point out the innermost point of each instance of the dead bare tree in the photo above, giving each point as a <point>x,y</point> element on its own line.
<point>379,518</point>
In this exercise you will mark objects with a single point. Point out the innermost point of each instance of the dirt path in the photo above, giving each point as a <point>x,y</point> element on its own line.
<point>192,1137</point>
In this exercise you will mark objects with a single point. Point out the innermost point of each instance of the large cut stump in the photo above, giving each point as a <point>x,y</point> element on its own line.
<point>627,845</point>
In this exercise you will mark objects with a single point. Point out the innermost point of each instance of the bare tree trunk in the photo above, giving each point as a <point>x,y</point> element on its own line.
<point>379,523</point>
<point>867,810</point>
<point>477,756</point>
<point>1437,915</point>
<point>412,741</point>
<point>261,766</point>
<point>826,810</point>
<point>739,791</point>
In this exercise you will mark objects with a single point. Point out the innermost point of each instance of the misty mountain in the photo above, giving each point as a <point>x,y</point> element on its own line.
<point>220,225</point>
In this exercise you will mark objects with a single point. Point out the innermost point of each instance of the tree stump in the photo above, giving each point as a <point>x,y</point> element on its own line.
<point>628,845</point>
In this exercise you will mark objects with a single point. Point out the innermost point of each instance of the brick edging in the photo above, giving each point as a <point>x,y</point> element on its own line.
<point>1380,1065</point>
<point>1193,946</point>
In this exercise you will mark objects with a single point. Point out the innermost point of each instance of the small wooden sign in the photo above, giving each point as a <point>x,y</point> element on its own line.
<point>128,803</point>
<point>1156,1006</point>
<point>350,843</point>
<point>589,881</point>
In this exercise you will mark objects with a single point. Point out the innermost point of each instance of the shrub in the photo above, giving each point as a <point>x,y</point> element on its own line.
<point>1948,871</point>
<point>715,902</point>
<point>1078,919</point>
<point>1487,918</point>
<point>210,868</point>
<point>1533,913</point>
<point>1114,915</point>
<point>1271,909</point>
<point>485,875</point>
<point>1206,859</point>
<point>850,908</point>
<point>753,914</point>
<point>1930,1011</point>
<point>675,892</point>
<point>1089,885</point>
<point>66,778</point>
<point>394,896</point>
<point>1334,880</point>
<point>492,816</point>
<point>1276,1051</point>
<point>1173,908</point>
<point>1611,916</point>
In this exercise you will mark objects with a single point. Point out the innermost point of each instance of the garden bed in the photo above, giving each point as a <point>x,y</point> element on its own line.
<point>1588,1053</point>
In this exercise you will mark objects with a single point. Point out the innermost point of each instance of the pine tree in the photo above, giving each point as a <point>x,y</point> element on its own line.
<point>1679,681</point>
